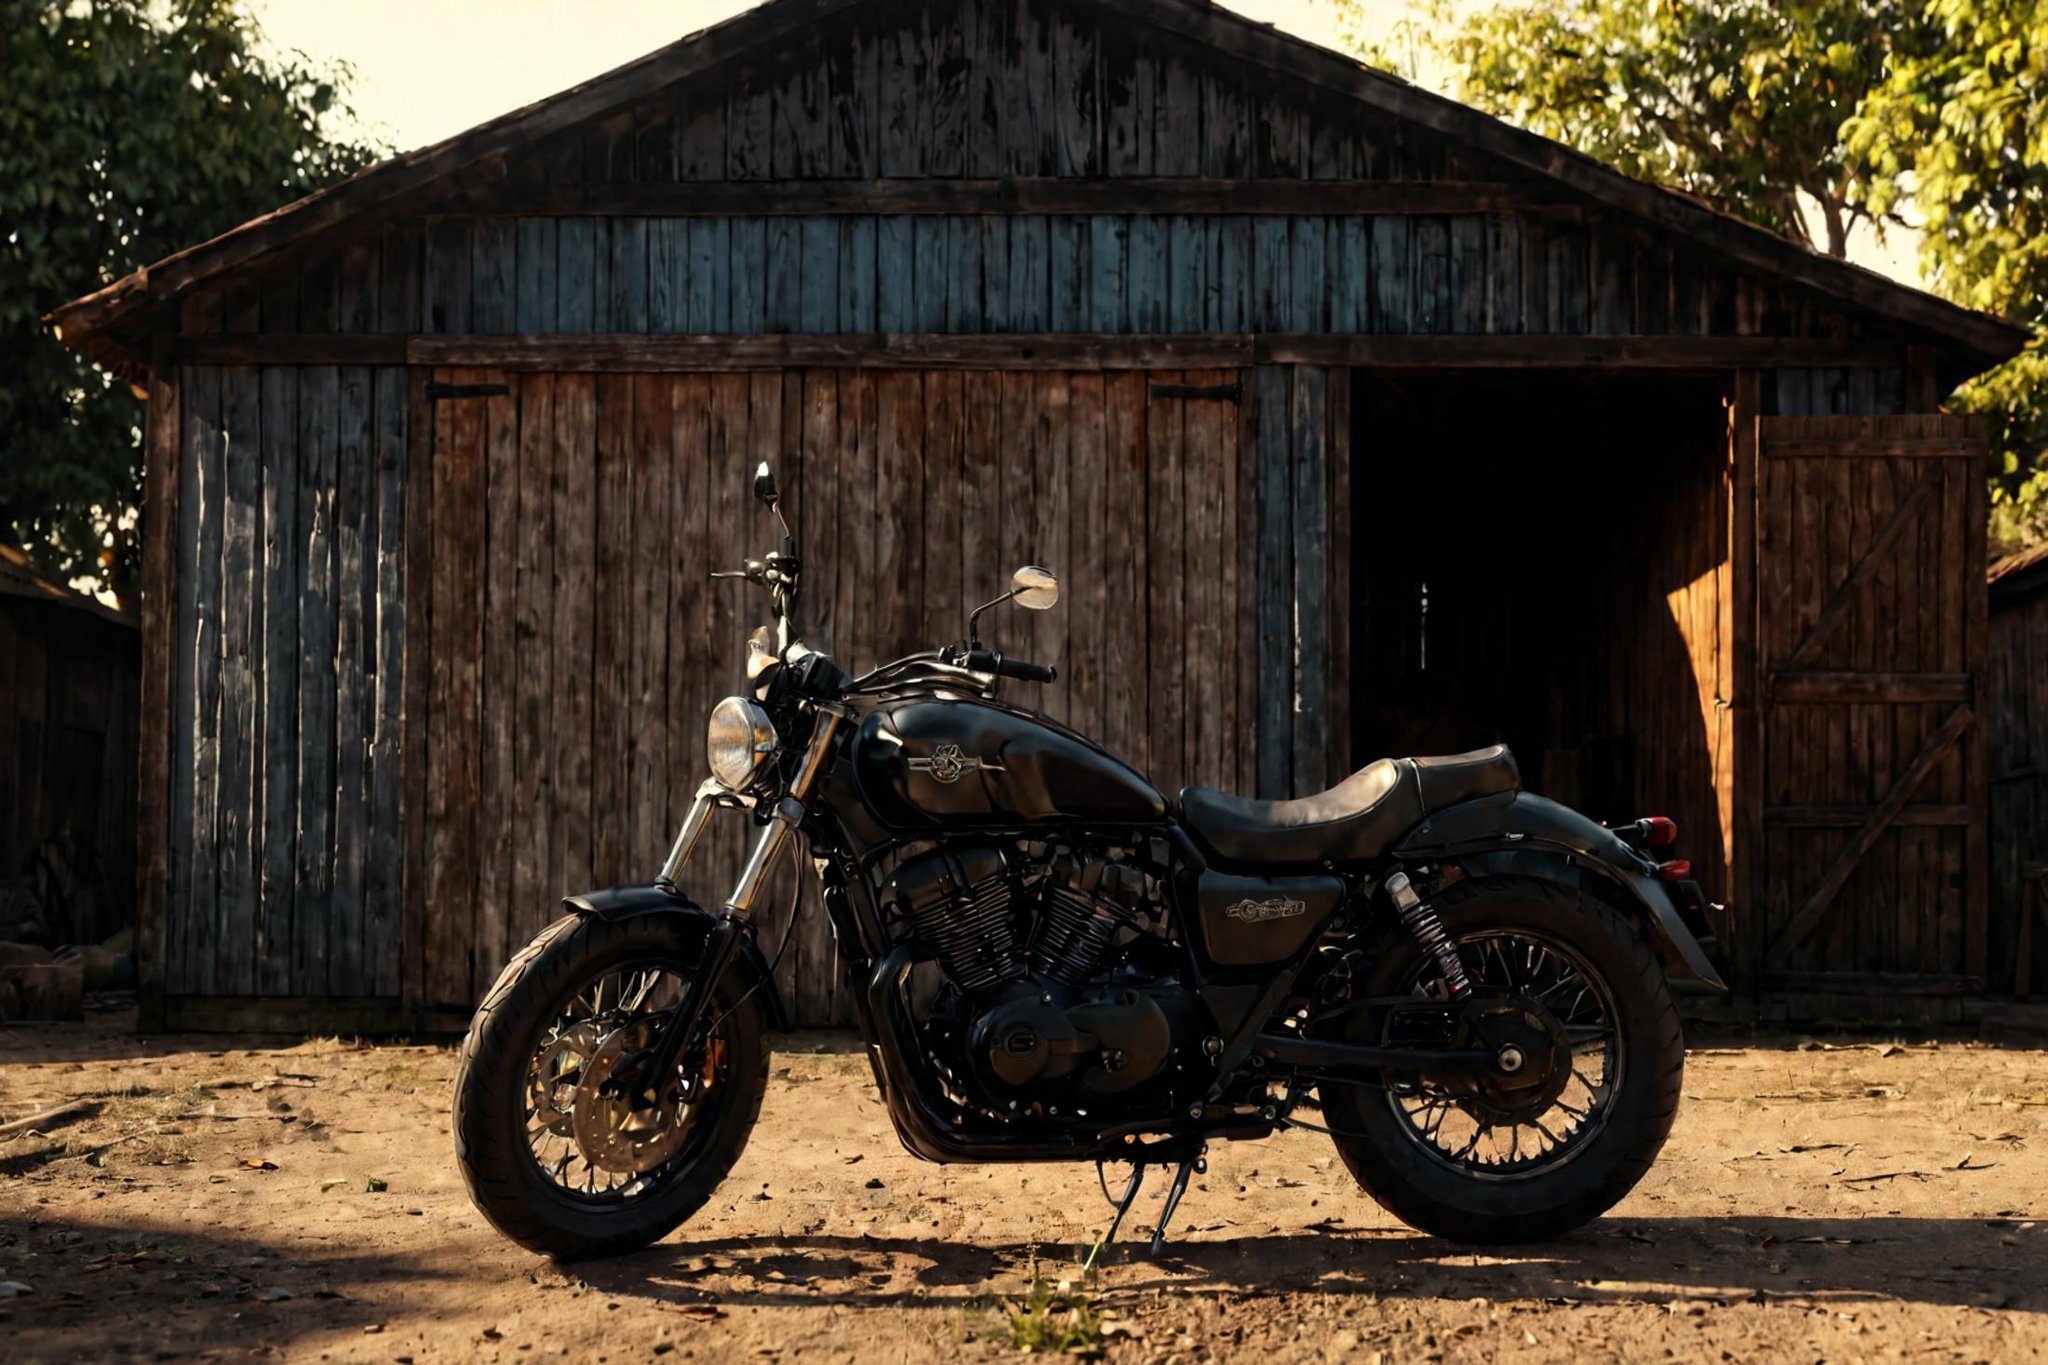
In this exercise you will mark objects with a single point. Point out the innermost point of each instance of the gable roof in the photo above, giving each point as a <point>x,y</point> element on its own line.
<point>105,323</point>
<point>20,578</point>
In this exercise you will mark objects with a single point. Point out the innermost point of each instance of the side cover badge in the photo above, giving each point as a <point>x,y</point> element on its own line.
<point>1255,911</point>
<point>948,764</point>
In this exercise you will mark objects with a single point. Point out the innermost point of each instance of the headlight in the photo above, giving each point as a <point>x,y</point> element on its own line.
<point>741,740</point>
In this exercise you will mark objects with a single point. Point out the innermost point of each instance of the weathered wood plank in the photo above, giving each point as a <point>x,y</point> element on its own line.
<point>531,693</point>
<point>1275,572</point>
<point>280,590</point>
<point>498,828</point>
<point>312,800</point>
<point>413,750</point>
<point>196,684</point>
<point>236,947</point>
<point>389,595</point>
<point>161,681</point>
<point>348,946</point>
<point>1310,601</point>
<point>573,634</point>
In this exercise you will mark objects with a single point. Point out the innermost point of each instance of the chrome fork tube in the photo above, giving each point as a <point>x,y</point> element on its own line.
<point>694,825</point>
<point>788,814</point>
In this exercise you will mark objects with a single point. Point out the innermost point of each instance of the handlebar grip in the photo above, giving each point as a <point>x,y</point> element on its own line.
<point>992,661</point>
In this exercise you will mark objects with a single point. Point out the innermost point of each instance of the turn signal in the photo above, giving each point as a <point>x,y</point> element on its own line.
<point>1660,831</point>
<point>1677,870</point>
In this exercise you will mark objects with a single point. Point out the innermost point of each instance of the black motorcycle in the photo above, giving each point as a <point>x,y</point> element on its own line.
<point>1464,983</point>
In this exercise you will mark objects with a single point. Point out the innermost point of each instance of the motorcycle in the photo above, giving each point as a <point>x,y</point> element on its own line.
<point>1464,985</point>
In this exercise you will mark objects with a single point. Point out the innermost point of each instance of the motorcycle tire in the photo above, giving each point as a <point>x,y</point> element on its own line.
<point>491,1086</point>
<point>1405,1175</point>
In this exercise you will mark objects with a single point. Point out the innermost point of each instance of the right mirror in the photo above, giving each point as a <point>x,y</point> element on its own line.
<point>1034,589</point>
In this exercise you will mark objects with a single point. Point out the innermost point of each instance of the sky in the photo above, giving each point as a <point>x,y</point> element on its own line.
<point>427,69</point>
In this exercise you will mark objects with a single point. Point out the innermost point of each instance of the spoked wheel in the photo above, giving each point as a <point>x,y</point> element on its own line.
<point>1570,1000</point>
<point>1538,1006</point>
<point>565,1146</point>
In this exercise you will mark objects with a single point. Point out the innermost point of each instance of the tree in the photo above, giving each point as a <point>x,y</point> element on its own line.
<point>1739,102</point>
<point>129,129</point>
<point>1960,130</point>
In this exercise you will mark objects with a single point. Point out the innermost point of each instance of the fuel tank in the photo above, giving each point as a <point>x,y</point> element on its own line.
<point>963,764</point>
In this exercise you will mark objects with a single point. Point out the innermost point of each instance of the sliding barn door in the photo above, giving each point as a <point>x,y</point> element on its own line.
<point>1870,582</point>
<point>571,641</point>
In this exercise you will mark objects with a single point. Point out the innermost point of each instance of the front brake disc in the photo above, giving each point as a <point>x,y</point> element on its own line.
<point>611,1132</point>
<point>558,1069</point>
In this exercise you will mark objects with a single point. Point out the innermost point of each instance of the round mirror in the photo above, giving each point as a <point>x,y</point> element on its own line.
<point>1034,589</point>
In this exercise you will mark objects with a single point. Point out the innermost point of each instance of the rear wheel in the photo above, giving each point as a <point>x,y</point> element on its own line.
<point>554,1157</point>
<point>1565,988</point>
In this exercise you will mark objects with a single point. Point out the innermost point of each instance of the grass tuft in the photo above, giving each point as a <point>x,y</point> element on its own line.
<point>1055,1318</point>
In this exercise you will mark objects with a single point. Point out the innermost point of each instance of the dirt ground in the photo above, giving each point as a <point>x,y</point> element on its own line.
<point>1834,1201</point>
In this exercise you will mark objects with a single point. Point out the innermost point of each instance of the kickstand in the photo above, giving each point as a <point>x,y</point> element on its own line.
<point>1188,1167</point>
<point>1123,1206</point>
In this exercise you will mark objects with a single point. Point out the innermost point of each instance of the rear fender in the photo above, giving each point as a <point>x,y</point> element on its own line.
<point>1519,833</point>
<point>691,924</point>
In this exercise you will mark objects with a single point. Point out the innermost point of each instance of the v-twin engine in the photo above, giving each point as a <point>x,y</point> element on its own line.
<point>1045,1019</point>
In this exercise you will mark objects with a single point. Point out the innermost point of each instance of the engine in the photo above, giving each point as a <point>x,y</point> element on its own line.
<point>1063,1012</point>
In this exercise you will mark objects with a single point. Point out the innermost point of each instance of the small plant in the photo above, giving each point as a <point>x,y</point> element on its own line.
<point>1054,1318</point>
<point>377,1184</point>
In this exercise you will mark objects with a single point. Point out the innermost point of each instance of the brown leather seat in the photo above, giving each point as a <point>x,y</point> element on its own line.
<point>1358,819</point>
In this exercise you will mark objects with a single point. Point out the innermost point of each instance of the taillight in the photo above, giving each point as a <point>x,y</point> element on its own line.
<point>1677,870</point>
<point>1659,831</point>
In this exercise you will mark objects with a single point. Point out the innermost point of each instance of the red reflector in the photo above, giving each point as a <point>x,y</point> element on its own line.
<point>1677,870</point>
<point>1660,831</point>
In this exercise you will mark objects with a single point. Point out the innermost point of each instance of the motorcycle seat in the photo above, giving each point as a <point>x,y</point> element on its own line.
<point>1358,819</point>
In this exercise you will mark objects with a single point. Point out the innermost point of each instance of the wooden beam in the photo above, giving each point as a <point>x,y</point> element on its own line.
<point>1923,380</point>
<point>412,744</point>
<point>159,630</point>
<point>1040,350</point>
<point>291,348</point>
<point>1853,817</point>
<point>1569,352</point>
<point>1874,447</point>
<point>1817,686</point>
<point>973,351</point>
<point>1029,194</point>
<point>1873,828</point>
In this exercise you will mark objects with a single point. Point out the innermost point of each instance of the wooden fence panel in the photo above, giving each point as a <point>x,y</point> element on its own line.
<point>582,688</point>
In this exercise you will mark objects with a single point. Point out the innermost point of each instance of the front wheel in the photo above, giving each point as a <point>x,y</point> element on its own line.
<point>1561,980</point>
<point>555,1158</point>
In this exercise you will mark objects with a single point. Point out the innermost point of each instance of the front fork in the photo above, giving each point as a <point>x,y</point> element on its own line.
<point>723,942</point>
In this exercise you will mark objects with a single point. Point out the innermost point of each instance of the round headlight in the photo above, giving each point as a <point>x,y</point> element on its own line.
<point>741,740</point>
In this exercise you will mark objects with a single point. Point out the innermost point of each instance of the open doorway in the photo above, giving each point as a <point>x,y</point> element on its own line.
<point>1540,560</point>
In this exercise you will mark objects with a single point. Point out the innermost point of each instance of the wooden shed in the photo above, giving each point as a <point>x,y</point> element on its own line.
<point>2016,742</point>
<point>1355,420</point>
<point>70,670</point>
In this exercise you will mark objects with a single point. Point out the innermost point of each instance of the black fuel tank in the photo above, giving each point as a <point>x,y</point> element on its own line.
<point>965,764</point>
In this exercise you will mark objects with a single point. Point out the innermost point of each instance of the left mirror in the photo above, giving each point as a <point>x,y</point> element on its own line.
<point>764,485</point>
<point>1034,589</point>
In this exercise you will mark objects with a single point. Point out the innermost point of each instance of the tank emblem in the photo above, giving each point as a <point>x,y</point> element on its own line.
<point>948,764</point>
<point>1280,907</point>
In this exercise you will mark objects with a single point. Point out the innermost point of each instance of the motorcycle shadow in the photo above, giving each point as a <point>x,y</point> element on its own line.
<point>1972,1262</point>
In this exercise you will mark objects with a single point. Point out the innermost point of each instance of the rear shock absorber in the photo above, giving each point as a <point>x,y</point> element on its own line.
<point>1422,920</point>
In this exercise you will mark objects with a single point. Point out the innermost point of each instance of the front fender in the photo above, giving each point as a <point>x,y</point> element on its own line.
<point>1520,832</point>
<point>691,923</point>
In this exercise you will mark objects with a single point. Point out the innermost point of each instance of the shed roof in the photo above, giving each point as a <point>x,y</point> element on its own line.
<point>19,578</point>
<point>2018,575</point>
<point>110,323</point>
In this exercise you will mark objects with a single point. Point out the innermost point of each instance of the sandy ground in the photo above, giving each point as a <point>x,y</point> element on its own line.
<point>1817,1202</point>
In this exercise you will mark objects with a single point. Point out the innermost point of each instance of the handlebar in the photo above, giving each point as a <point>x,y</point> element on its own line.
<point>992,661</point>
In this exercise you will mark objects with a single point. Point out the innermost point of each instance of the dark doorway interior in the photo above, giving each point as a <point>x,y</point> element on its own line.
<point>1540,560</point>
